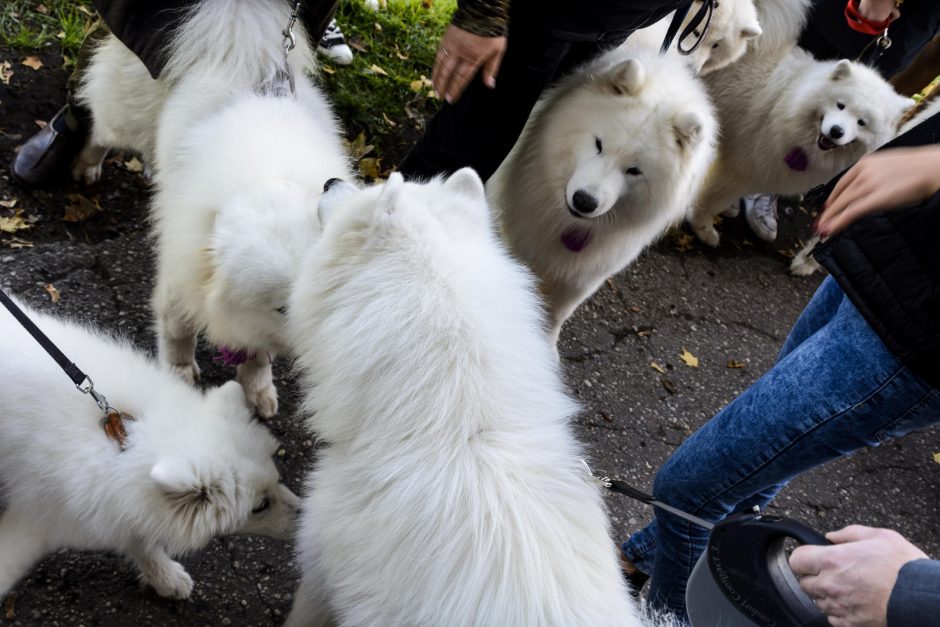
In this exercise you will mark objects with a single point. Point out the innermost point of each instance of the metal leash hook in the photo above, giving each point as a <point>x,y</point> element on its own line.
<point>113,420</point>
<point>288,44</point>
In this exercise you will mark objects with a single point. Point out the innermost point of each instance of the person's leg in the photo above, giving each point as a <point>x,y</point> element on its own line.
<point>817,313</point>
<point>837,391</point>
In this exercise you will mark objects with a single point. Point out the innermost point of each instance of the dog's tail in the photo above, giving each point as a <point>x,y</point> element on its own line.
<point>782,21</point>
<point>238,40</point>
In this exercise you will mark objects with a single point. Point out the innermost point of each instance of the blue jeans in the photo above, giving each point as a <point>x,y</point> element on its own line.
<point>834,388</point>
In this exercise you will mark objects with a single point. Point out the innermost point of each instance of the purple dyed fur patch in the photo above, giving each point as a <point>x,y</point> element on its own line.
<point>576,238</point>
<point>227,356</point>
<point>797,159</point>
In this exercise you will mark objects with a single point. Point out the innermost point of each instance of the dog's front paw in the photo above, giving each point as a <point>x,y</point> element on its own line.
<point>708,234</point>
<point>187,372</point>
<point>86,174</point>
<point>172,582</point>
<point>263,400</point>
<point>733,210</point>
<point>803,265</point>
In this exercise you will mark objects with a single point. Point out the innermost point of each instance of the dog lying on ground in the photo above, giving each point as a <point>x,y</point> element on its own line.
<point>452,490</point>
<point>196,465</point>
<point>239,162</point>
<point>609,159</point>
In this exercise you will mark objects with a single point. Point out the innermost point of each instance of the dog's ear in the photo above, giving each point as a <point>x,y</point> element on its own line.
<point>175,477</point>
<point>388,197</point>
<point>467,182</point>
<point>750,31</point>
<point>688,128</point>
<point>842,70</point>
<point>628,77</point>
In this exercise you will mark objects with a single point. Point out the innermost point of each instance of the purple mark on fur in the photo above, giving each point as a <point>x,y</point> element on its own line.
<point>227,356</point>
<point>576,238</point>
<point>797,159</point>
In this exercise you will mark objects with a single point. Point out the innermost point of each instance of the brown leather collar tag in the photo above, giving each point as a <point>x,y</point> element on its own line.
<point>113,425</point>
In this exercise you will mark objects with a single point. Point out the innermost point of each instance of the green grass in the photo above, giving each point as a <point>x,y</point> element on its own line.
<point>401,40</point>
<point>33,24</point>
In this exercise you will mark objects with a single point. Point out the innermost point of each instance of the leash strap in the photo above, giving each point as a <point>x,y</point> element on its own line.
<point>113,420</point>
<point>704,14</point>
<point>74,372</point>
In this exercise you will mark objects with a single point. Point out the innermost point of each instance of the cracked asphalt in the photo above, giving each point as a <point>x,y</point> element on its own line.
<point>734,304</point>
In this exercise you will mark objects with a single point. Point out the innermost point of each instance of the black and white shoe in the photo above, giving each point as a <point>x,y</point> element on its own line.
<point>333,45</point>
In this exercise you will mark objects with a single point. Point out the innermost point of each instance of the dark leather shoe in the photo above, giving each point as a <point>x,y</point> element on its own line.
<point>48,154</point>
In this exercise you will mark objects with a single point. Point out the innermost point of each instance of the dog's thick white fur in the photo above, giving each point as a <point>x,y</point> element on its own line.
<point>789,122</point>
<point>733,24</point>
<point>238,165</point>
<point>608,160</point>
<point>451,491</point>
<point>234,39</point>
<point>195,467</point>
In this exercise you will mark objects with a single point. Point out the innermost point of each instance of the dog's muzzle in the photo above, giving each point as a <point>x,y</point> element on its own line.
<point>330,183</point>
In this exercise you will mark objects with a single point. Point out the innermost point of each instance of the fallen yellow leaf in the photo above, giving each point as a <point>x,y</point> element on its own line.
<point>370,167</point>
<point>80,208</point>
<point>41,8</point>
<point>14,223</point>
<point>52,291</point>
<point>684,242</point>
<point>936,457</point>
<point>9,204</point>
<point>134,165</point>
<point>657,367</point>
<point>5,72</point>
<point>377,70</point>
<point>32,62</point>
<point>358,148</point>
<point>16,242</point>
<point>689,359</point>
<point>389,121</point>
<point>733,363</point>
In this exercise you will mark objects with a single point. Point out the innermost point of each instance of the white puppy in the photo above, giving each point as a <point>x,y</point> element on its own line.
<point>238,164</point>
<point>608,160</point>
<point>451,491</point>
<point>196,465</point>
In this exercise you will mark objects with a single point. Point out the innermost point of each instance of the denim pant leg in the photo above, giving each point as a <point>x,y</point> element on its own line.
<point>837,391</point>
<point>818,312</point>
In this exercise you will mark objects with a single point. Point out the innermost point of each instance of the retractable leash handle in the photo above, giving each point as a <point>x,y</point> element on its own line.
<point>744,577</point>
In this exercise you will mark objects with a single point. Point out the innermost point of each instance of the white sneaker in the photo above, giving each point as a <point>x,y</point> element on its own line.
<point>761,214</point>
<point>333,45</point>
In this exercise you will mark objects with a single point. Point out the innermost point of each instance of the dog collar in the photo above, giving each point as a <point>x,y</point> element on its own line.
<point>228,356</point>
<point>797,159</point>
<point>576,238</point>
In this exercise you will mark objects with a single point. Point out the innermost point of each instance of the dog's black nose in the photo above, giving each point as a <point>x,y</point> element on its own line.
<point>330,183</point>
<point>584,202</point>
<point>836,132</point>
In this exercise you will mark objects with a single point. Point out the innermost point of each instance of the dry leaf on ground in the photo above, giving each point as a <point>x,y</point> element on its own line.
<point>16,242</point>
<point>420,83</point>
<point>734,363</point>
<point>389,121</point>
<point>657,367</point>
<point>358,148</point>
<point>32,62</point>
<point>5,72</point>
<point>134,165</point>
<point>80,208</point>
<point>40,123</point>
<point>8,606</point>
<point>357,43</point>
<point>377,70</point>
<point>41,8</point>
<point>684,242</point>
<point>633,309</point>
<point>9,203</point>
<point>936,457</point>
<point>689,359</point>
<point>14,223</point>
<point>370,167</point>
<point>52,291</point>
<point>401,55</point>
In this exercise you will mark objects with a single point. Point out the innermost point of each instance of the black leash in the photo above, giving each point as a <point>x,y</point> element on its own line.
<point>704,14</point>
<point>113,421</point>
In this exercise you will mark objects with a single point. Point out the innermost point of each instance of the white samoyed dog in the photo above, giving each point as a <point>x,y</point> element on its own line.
<point>452,490</point>
<point>195,466</point>
<point>609,159</point>
<point>733,24</point>
<point>239,163</point>
<point>788,121</point>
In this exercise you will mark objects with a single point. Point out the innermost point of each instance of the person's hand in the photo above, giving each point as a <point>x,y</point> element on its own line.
<point>852,580</point>
<point>460,56</point>
<point>878,10</point>
<point>881,181</point>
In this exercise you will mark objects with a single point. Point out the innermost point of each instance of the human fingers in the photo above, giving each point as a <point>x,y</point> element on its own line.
<point>862,205</point>
<point>444,64</point>
<point>460,77</point>
<point>491,67</point>
<point>806,560</point>
<point>851,533</point>
<point>843,183</point>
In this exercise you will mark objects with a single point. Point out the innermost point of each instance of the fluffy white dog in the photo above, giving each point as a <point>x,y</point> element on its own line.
<point>608,160</point>
<point>195,466</point>
<point>239,164</point>
<point>788,121</point>
<point>733,24</point>
<point>451,491</point>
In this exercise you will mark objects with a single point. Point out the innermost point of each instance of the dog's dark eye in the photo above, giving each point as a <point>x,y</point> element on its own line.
<point>260,507</point>
<point>861,122</point>
<point>633,171</point>
<point>840,105</point>
<point>598,144</point>
<point>715,45</point>
<point>281,310</point>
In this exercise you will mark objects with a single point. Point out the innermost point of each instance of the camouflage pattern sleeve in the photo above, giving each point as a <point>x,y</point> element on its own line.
<point>488,18</point>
